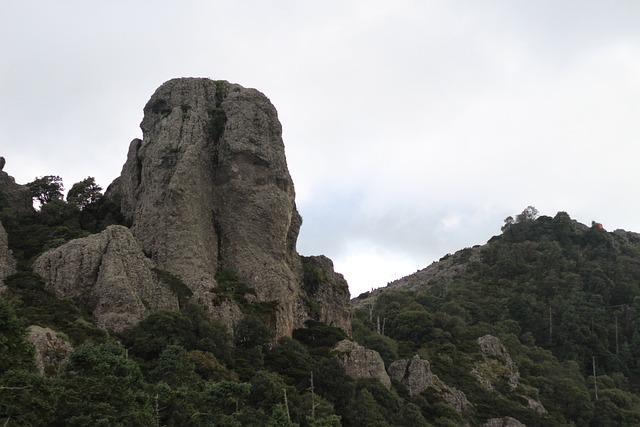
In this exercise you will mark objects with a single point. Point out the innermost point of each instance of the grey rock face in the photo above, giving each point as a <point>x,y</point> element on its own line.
<point>416,375</point>
<point>7,262</point>
<point>14,196</point>
<point>325,294</point>
<point>497,364</point>
<point>208,187</point>
<point>360,362</point>
<point>109,274</point>
<point>51,351</point>
<point>497,367</point>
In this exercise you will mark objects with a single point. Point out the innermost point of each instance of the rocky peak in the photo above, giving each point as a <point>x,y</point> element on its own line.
<point>207,188</point>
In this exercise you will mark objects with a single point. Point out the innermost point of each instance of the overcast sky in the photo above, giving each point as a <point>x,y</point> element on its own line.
<point>411,128</point>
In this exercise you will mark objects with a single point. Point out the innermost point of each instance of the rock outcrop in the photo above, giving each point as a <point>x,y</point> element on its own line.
<point>13,196</point>
<point>7,262</point>
<point>497,365</point>
<point>109,274</point>
<point>497,368</point>
<point>208,188</point>
<point>360,362</point>
<point>416,375</point>
<point>324,294</point>
<point>51,351</point>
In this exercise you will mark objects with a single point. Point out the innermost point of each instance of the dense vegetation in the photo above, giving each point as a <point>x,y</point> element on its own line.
<point>563,298</point>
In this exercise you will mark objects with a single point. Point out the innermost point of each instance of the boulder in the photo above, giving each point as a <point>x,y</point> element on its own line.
<point>108,274</point>
<point>360,362</point>
<point>416,375</point>
<point>497,364</point>
<point>497,367</point>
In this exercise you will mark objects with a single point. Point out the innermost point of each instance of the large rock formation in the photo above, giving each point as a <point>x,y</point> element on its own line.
<point>109,274</point>
<point>7,262</point>
<point>13,196</point>
<point>208,188</point>
<point>360,362</point>
<point>416,375</point>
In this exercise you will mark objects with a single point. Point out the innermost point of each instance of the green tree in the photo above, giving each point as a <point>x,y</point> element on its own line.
<point>28,399</point>
<point>174,367</point>
<point>102,387</point>
<point>84,193</point>
<point>280,418</point>
<point>15,351</point>
<point>46,188</point>
<point>365,411</point>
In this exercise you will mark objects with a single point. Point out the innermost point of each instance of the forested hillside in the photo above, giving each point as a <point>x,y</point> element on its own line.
<point>562,298</point>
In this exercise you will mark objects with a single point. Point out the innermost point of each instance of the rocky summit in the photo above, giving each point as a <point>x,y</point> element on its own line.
<point>207,188</point>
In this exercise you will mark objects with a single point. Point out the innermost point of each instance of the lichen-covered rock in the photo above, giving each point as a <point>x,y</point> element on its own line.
<point>7,262</point>
<point>497,367</point>
<point>109,275</point>
<point>208,188</point>
<point>51,351</point>
<point>416,375</point>
<point>14,196</point>
<point>360,362</point>
<point>497,364</point>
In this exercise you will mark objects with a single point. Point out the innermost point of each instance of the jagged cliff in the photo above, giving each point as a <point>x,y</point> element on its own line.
<point>208,188</point>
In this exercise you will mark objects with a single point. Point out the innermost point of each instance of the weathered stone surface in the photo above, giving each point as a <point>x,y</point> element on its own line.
<point>497,365</point>
<point>325,294</point>
<point>360,362</point>
<point>7,262</point>
<point>51,351</point>
<point>208,187</point>
<point>109,274</point>
<point>503,422</point>
<point>14,196</point>
<point>416,375</point>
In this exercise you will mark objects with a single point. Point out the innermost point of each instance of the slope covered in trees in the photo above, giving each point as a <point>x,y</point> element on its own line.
<point>563,299</point>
